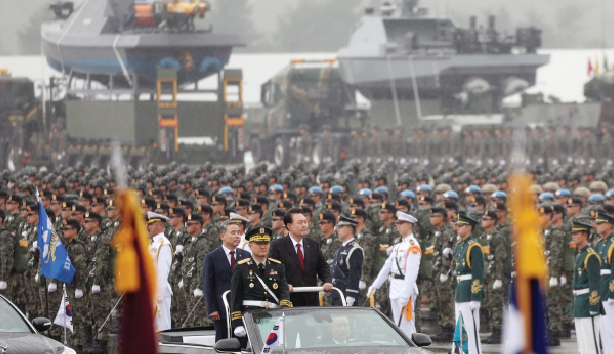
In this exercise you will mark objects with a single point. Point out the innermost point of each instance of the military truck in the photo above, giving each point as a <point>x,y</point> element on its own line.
<point>306,92</point>
<point>154,127</point>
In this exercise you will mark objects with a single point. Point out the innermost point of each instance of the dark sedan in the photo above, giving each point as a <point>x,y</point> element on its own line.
<point>18,335</point>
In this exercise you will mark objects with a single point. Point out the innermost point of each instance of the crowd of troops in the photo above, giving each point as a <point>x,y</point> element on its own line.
<point>484,145</point>
<point>79,202</point>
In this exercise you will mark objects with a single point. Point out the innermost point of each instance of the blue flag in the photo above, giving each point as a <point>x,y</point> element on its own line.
<point>55,263</point>
<point>460,335</point>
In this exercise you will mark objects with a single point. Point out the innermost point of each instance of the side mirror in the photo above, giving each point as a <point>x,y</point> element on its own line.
<point>227,345</point>
<point>41,324</point>
<point>421,340</point>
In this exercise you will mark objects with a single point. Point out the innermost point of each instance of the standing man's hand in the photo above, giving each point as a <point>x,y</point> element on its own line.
<point>214,316</point>
<point>328,287</point>
<point>290,288</point>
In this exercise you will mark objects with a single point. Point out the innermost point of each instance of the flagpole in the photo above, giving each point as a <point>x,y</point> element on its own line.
<point>65,314</point>
<point>283,326</point>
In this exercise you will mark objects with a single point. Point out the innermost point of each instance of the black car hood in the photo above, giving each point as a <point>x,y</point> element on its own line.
<point>22,343</point>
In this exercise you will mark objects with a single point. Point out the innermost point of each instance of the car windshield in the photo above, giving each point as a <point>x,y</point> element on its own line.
<point>331,327</point>
<point>11,320</point>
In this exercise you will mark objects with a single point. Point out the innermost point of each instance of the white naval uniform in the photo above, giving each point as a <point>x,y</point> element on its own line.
<point>244,245</point>
<point>162,254</point>
<point>606,328</point>
<point>408,255</point>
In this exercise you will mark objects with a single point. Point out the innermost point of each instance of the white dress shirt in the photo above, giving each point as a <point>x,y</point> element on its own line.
<point>298,243</point>
<point>228,250</point>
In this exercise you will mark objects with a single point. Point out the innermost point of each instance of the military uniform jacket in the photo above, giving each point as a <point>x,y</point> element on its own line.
<point>329,246</point>
<point>7,253</point>
<point>498,260</point>
<point>605,251</point>
<point>369,245</point>
<point>212,233</point>
<point>444,238</point>
<point>20,242</point>
<point>77,252</point>
<point>586,280</point>
<point>469,261</point>
<point>246,286</point>
<point>99,253</point>
<point>196,248</point>
<point>161,251</point>
<point>346,269</point>
<point>555,249</point>
<point>401,267</point>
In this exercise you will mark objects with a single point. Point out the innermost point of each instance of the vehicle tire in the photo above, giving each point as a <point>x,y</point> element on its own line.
<point>280,152</point>
<point>255,146</point>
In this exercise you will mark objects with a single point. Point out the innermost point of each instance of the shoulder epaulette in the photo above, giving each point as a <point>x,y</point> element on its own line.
<point>274,261</point>
<point>244,261</point>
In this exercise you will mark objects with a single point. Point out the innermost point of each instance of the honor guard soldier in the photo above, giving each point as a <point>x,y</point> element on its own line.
<point>257,282</point>
<point>401,269</point>
<point>347,264</point>
<point>605,248</point>
<point>469,262</point>
<point>586,306</point>
<point>161,251</point>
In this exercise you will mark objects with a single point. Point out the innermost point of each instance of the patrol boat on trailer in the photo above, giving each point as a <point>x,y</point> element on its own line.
<point>122,43</point>
<point>404,49</point>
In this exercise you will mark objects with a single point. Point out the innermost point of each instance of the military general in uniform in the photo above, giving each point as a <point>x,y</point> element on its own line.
<point>162,253</point>
<point>257,282</point>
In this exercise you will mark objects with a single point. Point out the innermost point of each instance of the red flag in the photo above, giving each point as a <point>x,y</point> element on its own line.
<point>135,276</point>
<point>590,67</point>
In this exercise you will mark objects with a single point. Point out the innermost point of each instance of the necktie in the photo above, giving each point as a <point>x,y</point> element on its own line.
<point>261,269</point>
<point>232,260</point>
<point>299,253</point>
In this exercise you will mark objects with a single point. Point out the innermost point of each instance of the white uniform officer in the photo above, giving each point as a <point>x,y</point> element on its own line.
<point>401,268</point>
<point>162,253</point>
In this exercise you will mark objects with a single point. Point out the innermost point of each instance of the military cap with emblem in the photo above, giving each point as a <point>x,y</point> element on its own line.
<point>74,223</point>
<point>242,203</point>
<point>284,204</point>
<point>333,206</point>
<point>574,201</point>
<point>68,204</point>
<point>93,215</point>
<point>328,216</point>
<point>15,198</point>
<point>179,211</point>
<point>255,208</point>
<point>171,198</point>
<point>259,234</point>
<point>278,213</point>
<point>359,213</point>
<point>580,226</point>
<point>85,195</point>
<point>245,196</point>
<point>261,200</point>
<point>345,221</point>
<point>148,202</point>
<point>389,207</point>
<point>79,208</point>
<point>99,201</point>
<point>163,206</point>
<point>307,210</point>
<point>601,216</point>
<point>425,199</point>
<point>186,204</point>
<point>201,193</point>
<point>108,191</point>
<point>219,199</point>
<point>155,217</point>
<point>404,217</point>
<point>357,201</point>
<point>227,212</point>
<point>463,219</point>
<point>334,197</point>
<point>238,218</point>
<point>558,209</point>
<point>308,201</point>
<point>438,210</point>
<point>195,217</point>
<point>490,213</point>
<point>544,209</point>
<point>402,202</point>
<point>376,197</point>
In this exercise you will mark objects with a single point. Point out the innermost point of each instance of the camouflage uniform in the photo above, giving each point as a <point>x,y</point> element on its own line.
<point>33,281</point>
<point>212,234</point>
<point>77,251</point>
<point>329,246</point>
<point>555,253</point>
<point>444,238</point>
<point>387,236</point>
<point>498,267</point>
<point>179,308</point>
<point>368,242</point>
<point>20,261</point>
<point>100,304</point>
<point>192,270</point>
<point>7,256</point>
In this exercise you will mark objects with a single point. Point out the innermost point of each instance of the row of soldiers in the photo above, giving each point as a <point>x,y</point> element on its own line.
<point>196,212</point>
<point>470,145</point>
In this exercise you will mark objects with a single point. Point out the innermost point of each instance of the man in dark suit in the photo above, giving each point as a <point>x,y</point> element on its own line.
<point>217,274</point>
<point>302,258</point>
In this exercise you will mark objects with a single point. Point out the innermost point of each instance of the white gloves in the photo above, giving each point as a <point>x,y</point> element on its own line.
<point>2,285</point>
<point>240,332</point>
<point>563,281</point>
<point>593,313</point>
<point>389,250</point>
<point>179,249</point>
<point>180,285</point>
<point>554,282</point>
<point>350,300</point>
<point>34,246</point>
<point>95,289</point>
<point>371,290</point>
<point>52,287</point>
<point>36,278</point>
<point>198,293</point>
<point>404,301</point>
<point>78,293</point>
<point>362,285</point>
<point>474,305</point>
<point>447,252</point>
<point>497,284</point>
<point>443,277</point>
